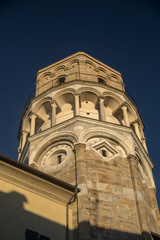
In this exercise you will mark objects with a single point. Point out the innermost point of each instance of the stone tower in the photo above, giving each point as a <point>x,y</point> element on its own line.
<point>83,128</point>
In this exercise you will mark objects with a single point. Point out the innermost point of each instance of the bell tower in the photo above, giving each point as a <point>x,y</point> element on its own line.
<point>82,128</point>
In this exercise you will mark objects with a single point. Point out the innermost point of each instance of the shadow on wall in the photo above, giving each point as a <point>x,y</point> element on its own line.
<point>14,220</point>
<point>98,233</point>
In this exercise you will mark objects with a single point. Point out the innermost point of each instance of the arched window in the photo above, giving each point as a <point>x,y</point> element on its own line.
<point>101,80</point>
<point>89,106</point>
<point>61,80</point>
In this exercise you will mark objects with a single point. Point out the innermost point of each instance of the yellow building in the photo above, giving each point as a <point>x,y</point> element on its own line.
<point>33,205</point>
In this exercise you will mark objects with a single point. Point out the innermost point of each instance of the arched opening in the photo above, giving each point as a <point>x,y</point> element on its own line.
<point>101,80</point>
<point>43,120</point>
<point>132,116</point>
<point>38,123</point>
<point>67,107</point>
<point>110,105</point>
<point>26,125</point>
<point>61,80</point>
<point>89,105</point>
<point>55,156</point>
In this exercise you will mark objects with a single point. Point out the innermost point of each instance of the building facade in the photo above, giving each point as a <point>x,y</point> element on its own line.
<point>81,127</point>
<point>33,205</point>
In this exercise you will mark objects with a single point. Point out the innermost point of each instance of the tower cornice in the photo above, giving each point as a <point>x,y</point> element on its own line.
<point>77,54</point>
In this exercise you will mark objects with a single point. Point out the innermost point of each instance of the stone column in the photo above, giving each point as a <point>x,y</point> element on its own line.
<point>19,152</point>
<point>144,143</point>
<point>125,115</point>
<point>53,113</point>
<point>19,148</point>
<point>24,136</point>
<point>77,111</point>
<point>136,128</point>
<point>139,200</point>
<point>102,109</point>
<point>143,138</point>
<point>33,118</point>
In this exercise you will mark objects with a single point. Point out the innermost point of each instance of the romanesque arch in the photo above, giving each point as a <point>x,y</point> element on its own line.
<point>65,138</point>
<point>66,104</point>
<point>110,134</point>
<point>89,104</point>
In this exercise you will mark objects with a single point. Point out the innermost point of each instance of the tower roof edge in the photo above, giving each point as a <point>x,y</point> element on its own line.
<point>76,55</point>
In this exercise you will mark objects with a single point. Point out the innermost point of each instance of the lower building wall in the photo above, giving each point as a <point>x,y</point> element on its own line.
<point>21,209</point>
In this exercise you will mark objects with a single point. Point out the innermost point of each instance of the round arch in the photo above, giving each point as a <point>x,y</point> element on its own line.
<point>72,62</point>
<point>102,79</point>
<point>44,144</point>
<point>92,132</point>
<point>115,77</point>
<point>91,63</point>
<point>46,74</point>
<point>62,67</point>
<point>66,107</point>
<point>64,91</point>
<point>102,70</point>
<point>88,89</point>
<point>40,103</point>
<point>113,95</point>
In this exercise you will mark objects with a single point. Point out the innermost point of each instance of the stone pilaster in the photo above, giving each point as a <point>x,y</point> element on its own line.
<point>136,128</point>
<point>125,115</point>
<point>138,191</point>
<point>102,109</point>
<point>33,118</point>
<point>53,113</point>
<point>77,104</point>
<point>24,136</point>
<point>83,203</point>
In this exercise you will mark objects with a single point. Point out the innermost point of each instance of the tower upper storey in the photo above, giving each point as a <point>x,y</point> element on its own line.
<point>78,89</point>
<point>79,66</point>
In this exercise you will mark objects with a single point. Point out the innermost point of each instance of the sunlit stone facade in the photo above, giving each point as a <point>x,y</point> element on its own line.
<point>83,128</point>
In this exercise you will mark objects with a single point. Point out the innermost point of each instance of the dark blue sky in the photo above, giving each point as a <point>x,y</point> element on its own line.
<point>124,34</point>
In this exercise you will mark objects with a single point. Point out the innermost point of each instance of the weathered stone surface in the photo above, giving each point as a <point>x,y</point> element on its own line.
<point>82,128</point>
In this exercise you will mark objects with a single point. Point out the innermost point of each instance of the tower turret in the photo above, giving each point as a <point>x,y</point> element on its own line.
<point>83,128</point>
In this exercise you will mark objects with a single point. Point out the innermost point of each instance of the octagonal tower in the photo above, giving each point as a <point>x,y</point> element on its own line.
<point>83,128</point>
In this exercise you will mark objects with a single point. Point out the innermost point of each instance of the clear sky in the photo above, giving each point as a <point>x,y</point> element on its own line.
<point>124,34</point>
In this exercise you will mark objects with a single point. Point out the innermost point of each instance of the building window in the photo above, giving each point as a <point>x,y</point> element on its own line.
<point>101,80</point>
<point>61,80</point>
<point>59,157</point>
<point>104,153</point>
<point>32,235</point>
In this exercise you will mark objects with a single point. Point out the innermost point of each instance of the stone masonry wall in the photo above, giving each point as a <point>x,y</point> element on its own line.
<point>113,202</point>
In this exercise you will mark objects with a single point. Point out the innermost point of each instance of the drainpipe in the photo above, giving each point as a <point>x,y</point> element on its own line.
<point>71,200</point>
